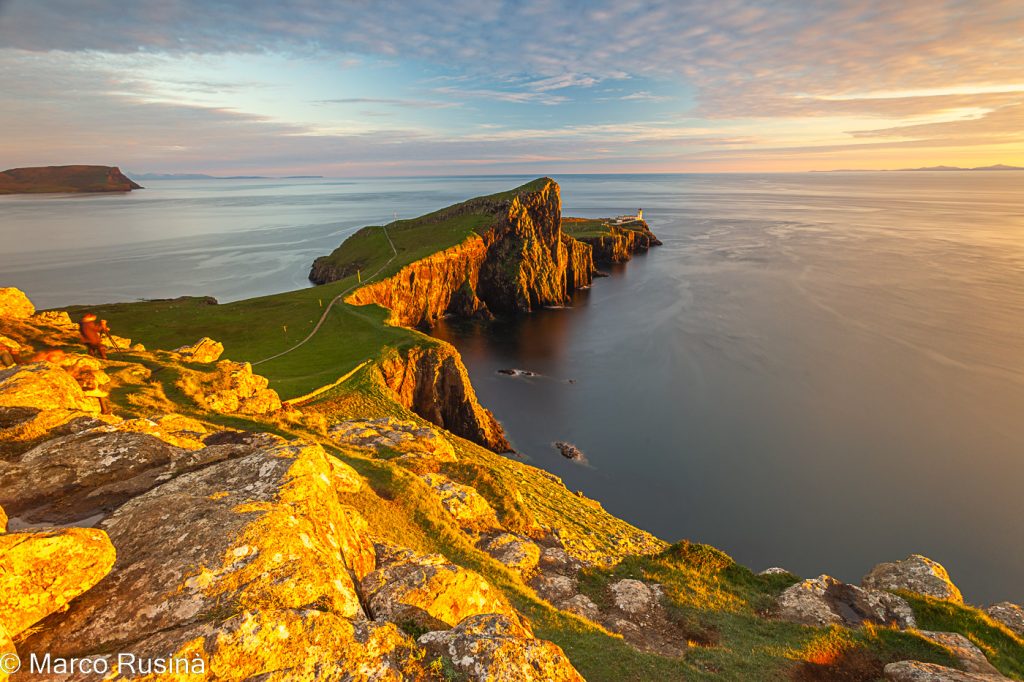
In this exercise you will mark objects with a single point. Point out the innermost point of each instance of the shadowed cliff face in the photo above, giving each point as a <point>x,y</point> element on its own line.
<point>433,383</point>
<point>621,244</point>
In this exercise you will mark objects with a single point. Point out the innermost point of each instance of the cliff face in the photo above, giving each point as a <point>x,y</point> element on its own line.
<point>423,291</point>
<point>65,179</point>
<point>621,244</point>
<point>521,262</point>
<point>433,383</point>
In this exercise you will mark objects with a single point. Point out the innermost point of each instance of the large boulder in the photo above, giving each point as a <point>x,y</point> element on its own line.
<point>428,590</point>
<point>88,474</point>
<point>15,304</point>
<point>41,572</point>
<point>468,507</point>
<point>232,388</point>
<point>1009,614</point>
<point>516,552</point>
<point>44,386</point>
<point>262,534</point>
<point>203,350</point>
<point>827,601</point>
<point>390,435</point>
<point>916,671</point>
<point>497,648</point>
<point>968,655</point>
<point>917,574</point>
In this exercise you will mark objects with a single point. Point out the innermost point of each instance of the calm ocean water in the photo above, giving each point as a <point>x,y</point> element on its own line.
<point>818,371</point>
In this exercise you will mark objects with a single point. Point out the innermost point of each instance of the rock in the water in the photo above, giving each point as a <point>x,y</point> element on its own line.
<point>398,435</point>
<point>41,572</point>
<point>15,304</point>
<point>917,574</point>
<point>916,671</point>
<point>428,590</point>
<point>970,657</point>
<point>497,648</point>
<point>826,601</point>
<point>1009,614</point>
<point>263,533</point>
<point>516,552</point>
<point>468,507</point>
<point>570,451</point>
<point>203,350</point>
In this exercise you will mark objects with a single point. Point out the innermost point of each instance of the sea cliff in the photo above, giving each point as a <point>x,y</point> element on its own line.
<point>73,179</point>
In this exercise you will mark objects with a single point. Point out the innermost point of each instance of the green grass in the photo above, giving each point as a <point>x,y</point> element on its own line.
<point>583,227</point>
<point>1004,649</point>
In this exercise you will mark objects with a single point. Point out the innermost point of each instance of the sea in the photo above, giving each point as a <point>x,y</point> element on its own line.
<point>818,371</point>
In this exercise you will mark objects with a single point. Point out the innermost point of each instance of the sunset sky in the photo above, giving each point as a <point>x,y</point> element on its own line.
<point>539,86</point>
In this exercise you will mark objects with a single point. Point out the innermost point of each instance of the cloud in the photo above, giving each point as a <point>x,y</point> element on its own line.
<point>412,103</point>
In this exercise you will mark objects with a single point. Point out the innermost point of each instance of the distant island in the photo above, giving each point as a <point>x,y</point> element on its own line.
<point>996,167</point>
<point>60,179</point>
<point>203,176</point>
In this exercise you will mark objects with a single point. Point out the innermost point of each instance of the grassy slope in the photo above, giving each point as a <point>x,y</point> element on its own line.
<point>592,227</point>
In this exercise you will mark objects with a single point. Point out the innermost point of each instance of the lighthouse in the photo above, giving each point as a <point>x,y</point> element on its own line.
<point>639,214</point>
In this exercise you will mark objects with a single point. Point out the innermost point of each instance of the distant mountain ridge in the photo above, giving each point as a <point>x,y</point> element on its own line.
<point>996,167</point>
<point>60,179</point>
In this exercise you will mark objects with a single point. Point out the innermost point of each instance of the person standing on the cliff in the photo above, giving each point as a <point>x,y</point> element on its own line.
<point>92,330</point>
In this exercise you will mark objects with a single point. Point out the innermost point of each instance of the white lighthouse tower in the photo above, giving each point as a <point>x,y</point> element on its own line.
<point>639,214</point>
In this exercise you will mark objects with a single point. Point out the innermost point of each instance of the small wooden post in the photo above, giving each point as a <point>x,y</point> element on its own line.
<point>359,276</point>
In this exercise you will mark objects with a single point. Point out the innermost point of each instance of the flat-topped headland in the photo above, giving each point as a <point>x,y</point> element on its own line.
<point>65,179</point>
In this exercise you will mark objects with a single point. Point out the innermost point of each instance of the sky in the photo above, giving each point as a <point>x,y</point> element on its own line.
<point>436,87</point>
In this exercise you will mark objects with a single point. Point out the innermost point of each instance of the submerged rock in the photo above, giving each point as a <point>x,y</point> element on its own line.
<point>917,574</point>
<point>570,451</point>
<point>826,601</point>
<point>497,648</point>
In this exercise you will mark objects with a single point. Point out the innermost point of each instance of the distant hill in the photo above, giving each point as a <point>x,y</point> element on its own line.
<point>45,179</point>
<point>996,167</point>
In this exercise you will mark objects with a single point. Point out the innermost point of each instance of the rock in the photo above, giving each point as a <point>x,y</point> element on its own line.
<point>15,304</point>
<point>969,656</point>
<point>45,386</point>
<point>570,451</point>
<point>556,559</point>
<point>428,590</point>
<point>203,350</point>
<point>582,606</point>
<point>93,472</point>
<point>917,574</point>
<point>554,588</point>
<point>497,648</point>
<point>54,318</point>
<point>398,435</point>
<point>468,507</point>
<point>232,388</point>
<point>260,534</point>
<point>775,570</point>
<point>1010,615</point>
<point>41,572</point>
<point>3,520</point>
<point>633,596</point>
<point>916,671</point>
<point>518,553</point>
<point>826,601</point>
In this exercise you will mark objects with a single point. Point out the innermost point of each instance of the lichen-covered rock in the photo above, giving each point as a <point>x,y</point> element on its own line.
<point>916,671</point>
<point>826,601</point>
<point>969,656</point>
<point>54,318</point>
<point>232,388</point>
<point>554,588</point>
<point>261,533</point>
<point>15,304</point>
<point>582,606</point>
<point>633,596</point>
<point>41,572</point>
<point>428,590</point>
<point>495,648</point>
<point>516,552</point>
<point>775,570</point>
<point>398,435</point>
<point>557,560</point>
<point>45,386</point>
<point>203,350</point>
<point>3,520</point>
<point>1009,614</point>
<point>468,507</point>
<point>917,574</point>
<point>93,472</point>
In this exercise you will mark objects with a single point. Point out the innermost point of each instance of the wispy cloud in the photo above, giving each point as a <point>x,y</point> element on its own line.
<point>391,102</point>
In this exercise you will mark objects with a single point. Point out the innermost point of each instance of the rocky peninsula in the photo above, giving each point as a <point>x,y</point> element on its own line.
<point>65,179</point>
<point>325,505</point>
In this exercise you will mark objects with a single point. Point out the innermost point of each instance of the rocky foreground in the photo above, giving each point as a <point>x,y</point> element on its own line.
<point>195,532</point>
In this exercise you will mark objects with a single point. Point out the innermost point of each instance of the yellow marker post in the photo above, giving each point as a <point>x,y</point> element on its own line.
<point>359,276</point>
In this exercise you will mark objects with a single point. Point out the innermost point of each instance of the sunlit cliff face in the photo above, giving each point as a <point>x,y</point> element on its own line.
<point>466,87</point>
